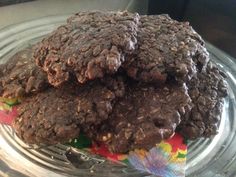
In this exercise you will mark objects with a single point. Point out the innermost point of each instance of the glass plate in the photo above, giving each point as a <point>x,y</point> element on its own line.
<point>206,157</point>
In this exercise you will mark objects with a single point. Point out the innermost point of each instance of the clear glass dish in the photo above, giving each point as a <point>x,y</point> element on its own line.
<point>206,157</point>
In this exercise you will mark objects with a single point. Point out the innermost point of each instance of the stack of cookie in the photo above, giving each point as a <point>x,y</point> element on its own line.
<point>123,79</point>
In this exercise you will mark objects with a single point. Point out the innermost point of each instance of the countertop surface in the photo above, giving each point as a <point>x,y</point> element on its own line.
<point>17,13</point>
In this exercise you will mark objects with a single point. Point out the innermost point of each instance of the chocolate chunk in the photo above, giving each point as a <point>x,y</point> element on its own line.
<point>207,91</point>
<point>145,116</point>
<point>166,48</point>
<point>20,76</point>
<point>89,46</point>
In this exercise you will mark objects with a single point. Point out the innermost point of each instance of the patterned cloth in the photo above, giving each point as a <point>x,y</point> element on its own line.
<point>167,159</point>
<point>7,111</point>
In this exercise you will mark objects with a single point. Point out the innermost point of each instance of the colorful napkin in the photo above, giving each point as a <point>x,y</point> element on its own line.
<point>7,110</point>
<point>166,159</point>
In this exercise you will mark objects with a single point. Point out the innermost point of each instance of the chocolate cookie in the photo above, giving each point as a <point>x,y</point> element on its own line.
<point>48,117</point>
<point>207,91</point>
<point>96,100</point>
<point>166,48</point>
<point>145,116</point>
<point>90,45</point>
<point>20,76</point>
<point>56,115</point>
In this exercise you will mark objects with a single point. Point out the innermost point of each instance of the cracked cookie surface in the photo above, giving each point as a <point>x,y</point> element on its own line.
<point>57,114</point>
<point>89,46</point>
<point>143,117</point>
<point>20,76</point>
<point>207,91</point>
<point>166,48</point>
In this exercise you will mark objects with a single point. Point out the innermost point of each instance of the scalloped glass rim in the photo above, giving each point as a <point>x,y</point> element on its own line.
<point>206,157</point>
